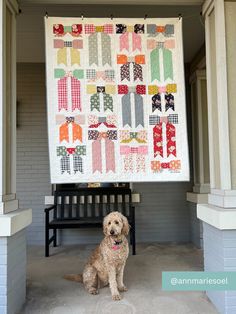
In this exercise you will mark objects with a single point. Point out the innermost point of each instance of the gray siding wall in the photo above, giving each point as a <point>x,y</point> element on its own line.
<point>162,215</point>
<point>12,273</point>
<point>220,255</point>
<point>32,146</point>
<point>195,226</point>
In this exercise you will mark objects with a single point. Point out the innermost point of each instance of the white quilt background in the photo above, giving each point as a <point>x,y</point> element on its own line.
<point>133,155</point>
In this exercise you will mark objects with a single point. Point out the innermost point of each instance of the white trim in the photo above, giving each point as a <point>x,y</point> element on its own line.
<point>222,96</point>
<point>110,2</point>
<point>9,206</point>
<point>13,6</point>
<point>198,74</point>
<point>222,198</point>
<point>209,102</point>
<point>222,201</point>
<point>207,7</point>
<point>194,127</point>
<point>14,222</point>
<point>200,130</point>
<point>198,198</point>
<point>221,218</point>
<point>201,188</point>
<point>198,155</point>
<point>223,192</point>
<point>8,197</point>
<point>8,202</point>
<point>2,95</point>
<point>202,65</point>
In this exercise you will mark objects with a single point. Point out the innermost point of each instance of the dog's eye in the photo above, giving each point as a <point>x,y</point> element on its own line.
<point>117,222</point>
<point>109,223</point>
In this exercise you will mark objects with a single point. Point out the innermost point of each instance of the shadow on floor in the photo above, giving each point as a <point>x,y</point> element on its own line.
<point>49,293</point>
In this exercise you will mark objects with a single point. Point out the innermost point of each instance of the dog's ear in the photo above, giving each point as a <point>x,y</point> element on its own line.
<point>126,226</point>
<point>105,222</point>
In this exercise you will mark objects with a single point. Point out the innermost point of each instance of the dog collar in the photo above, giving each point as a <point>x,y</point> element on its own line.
<point>118,242</point>
<point>116,245</point>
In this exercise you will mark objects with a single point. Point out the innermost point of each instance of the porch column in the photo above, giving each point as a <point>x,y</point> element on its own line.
<point>13,220</point>
<point>219,214</point>
<point>201,177</point>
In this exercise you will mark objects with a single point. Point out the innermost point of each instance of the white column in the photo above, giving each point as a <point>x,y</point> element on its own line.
<point>201,186</point>
<point>8,201</point>
<point>219,214</point>
<point>220,211</point>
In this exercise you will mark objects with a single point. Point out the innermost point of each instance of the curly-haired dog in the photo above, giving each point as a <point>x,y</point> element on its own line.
<point>106,264</point>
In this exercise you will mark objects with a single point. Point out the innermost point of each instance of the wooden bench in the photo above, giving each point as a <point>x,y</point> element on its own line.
<point>86,208</point>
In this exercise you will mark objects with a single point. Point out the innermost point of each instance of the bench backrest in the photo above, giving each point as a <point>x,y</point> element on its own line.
<point>92,202</point>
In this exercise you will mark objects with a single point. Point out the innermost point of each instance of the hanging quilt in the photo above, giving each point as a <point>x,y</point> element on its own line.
<point>116,100</point>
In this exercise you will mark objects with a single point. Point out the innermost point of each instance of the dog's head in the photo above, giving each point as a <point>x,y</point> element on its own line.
<point>115,224</point>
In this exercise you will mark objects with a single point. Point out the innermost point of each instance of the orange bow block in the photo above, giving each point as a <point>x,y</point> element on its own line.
<point>123,59</point>
<point>64,130</point>
<point>76,130</point>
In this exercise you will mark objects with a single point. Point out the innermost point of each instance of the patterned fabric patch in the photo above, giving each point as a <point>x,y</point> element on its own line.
<point>173,118</point>
<point>91,89</point>
<point>67,43</point>
<point>120,28</point>
<point>139,28</point>
<point>90,74</point>
<point>65,164</point>
<point>94,135</point>
<point>77,164</point>
<point>170,103</point>
<point>156,102</point>
<point>153,120</point>
<point>62,94</point>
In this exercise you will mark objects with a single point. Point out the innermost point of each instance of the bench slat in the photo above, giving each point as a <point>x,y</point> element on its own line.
<point>108,205</point>
<point>100,205</point>
<point>78,206</point>
<point>70,205</point>
<point>116,202</point>
<point>62,213</point>
<point>123,204</point>
<point>93,205</point>
<point>85,206</point>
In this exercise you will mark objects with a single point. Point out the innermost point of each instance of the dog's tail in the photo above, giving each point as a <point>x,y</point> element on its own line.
<point>74,277</point>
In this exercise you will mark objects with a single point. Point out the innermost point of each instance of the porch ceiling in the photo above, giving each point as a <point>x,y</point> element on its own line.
<point>111,2</point>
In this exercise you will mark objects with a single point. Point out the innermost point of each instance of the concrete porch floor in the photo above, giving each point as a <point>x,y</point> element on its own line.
<point>48,292</point>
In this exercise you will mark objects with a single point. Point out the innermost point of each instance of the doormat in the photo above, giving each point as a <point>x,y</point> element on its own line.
<point>116,100</point>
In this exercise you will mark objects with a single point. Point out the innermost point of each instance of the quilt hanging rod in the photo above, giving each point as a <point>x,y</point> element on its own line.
<point>112,16</point>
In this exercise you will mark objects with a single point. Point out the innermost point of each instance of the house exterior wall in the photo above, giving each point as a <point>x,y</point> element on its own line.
<point>195,226</point>
<point>159,217</point>
<point>220,255</point>
<point>12,272</point>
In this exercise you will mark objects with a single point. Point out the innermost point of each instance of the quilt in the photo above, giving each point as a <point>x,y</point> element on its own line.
<point>116,100</point>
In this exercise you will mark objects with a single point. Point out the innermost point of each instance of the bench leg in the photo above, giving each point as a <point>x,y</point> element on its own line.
<point>133,240</point>
<point>54,237</point>
<point>46,241</point>
<point>132,233</point>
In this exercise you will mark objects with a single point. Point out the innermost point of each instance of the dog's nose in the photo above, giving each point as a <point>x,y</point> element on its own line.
<point>112,232</point>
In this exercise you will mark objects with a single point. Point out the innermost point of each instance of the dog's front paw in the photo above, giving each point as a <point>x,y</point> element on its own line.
<point>93,291</point>
<point>123,289</point>
<point>116,297</point>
